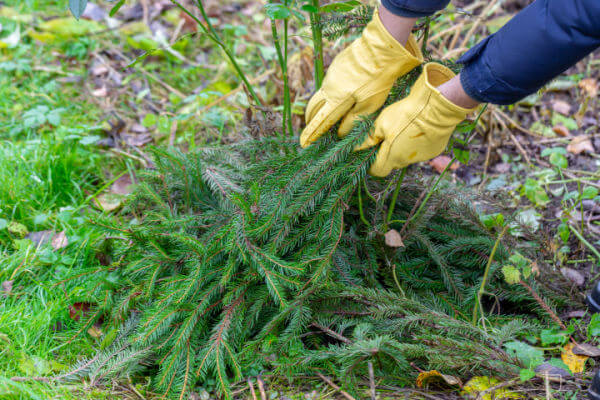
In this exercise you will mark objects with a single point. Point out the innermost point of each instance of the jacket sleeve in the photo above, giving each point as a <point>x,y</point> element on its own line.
<point>539,43</point>
<point>414,8</point>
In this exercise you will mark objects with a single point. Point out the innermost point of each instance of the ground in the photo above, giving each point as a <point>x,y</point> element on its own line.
<point>80,102</point>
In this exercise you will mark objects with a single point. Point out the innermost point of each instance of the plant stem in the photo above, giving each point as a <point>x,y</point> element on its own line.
<point>287,104</point>
<point>360,208</point>
<point>394,198</point>
<point>585,242</point>
<point>214,36</point>
<point>283,65</point>
<point>317,36</point>
<point>486,275</point>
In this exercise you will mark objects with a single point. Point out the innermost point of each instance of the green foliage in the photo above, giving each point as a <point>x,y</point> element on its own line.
<point>257,249</point>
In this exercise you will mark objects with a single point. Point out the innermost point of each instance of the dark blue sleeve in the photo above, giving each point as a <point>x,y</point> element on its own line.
<point>414,8</point>
<point>539,43</point>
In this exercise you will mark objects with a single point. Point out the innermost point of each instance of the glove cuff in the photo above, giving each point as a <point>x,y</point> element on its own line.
<point>388,50</point>
<point>434,75</point>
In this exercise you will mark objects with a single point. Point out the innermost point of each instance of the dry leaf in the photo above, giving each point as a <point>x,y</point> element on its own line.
<point>573,275</point>
<point>7,287</point>
<point>580,144</point>
<point>99,69</point>
<point>60,241</point>
<point>40,238</point>
<point>561,130</point>
<point>589,86</point>
<point>429,375</point>
<point>551,372</point>
<point>576,314</point>
<point>94,332</point>
<point>585,349</point>
<point>575,362</point>
<point>476,388</point>
<point>441,162</point>
<point>393,239</point>
<point>100,92</point>
<point>122,186</point>
<point>561,107</point>
<point>79,309</point>
<point>108,201</point>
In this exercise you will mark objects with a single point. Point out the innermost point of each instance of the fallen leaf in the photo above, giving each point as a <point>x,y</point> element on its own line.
<point>561,107</point>
<point>60,241</point>
<point>79,309</point>
<point>40,238</point>
<point>575,362</point>
<point>552,372</point>
<point>108,201</point>
<point>393,239</point>
<point>95,332</point>
<point>589,86</point>
<point>561,130</point>
<point>475,386</point>
<point>137,140</point>
<point>99,69</point>
<point>430,375</point>
<point>122,186</point>
<point>94,12</point>
<point>441,162</point>
<point>7,287</point>
<point>580,144</point>
<point>586,349</point>
<point>100,92</point>
<point>576,314</point>
<point>573,275</point>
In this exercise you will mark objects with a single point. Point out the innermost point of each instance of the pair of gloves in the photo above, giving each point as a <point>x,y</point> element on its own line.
<point>416,128</point>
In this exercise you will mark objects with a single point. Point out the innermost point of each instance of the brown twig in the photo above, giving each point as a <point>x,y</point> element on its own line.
<point>251,386</point>
<point>543,304</point>
<point>261,388</point>
<point>332,333</point>
<point>372,380</point>
<point>336,387</point>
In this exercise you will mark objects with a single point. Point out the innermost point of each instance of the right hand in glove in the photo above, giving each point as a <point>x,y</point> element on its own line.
<point>359,80</point>
<point>418,127</point>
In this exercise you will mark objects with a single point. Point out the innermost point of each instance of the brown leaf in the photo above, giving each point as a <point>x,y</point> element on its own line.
<point>589,86</point>
<point>122,186</point>
<point>79,309</point>
<point>60,241</point>
<point>573,275</point>
<point>561,107</point>
<point>441,162</point>
<point>586,349</point>
<point>393,239</point>
<point>137,140</point>
<point>94,331</point>
<point>580,144</point>
<point>98,69</point>
<point>561,130</point>
<point>7,287</point>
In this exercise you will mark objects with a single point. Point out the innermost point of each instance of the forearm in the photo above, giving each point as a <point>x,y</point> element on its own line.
<point>539,43</point>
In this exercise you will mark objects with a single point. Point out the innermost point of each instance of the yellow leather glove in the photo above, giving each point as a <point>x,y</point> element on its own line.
<point>416,128</point>
<point>359,80</point>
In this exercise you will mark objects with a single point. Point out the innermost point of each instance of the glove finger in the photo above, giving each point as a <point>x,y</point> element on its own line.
<point>376,136</point>
<point>322,120</point>
<point>314,105</point>
<point>362,108</point>
<point>383,164</point>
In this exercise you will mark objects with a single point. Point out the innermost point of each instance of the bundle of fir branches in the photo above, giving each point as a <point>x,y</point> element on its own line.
<point>260,256</point>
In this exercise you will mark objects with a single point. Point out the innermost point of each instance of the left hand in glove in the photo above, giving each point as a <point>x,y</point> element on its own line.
<point>418,127</point>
